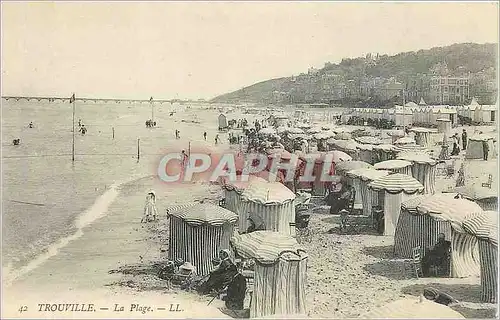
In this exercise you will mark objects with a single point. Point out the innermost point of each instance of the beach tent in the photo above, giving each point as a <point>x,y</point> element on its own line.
<point>347,146</point>
<point>475,147</point>
<point>343,167</point>
<point>233,191</point>
<point>404,141</point>
<point>272,202</point>
<point>368,140</point>
<point>361,178</point>
<point>422,137</point>
<point>395,189</point>
<point>222,121</point>
<point>318,186</point>
<point>414,229</point>
<point>485,197</point>
<point>343,136</point>
<point>464,247</point>
<point>384,152</point>
<point>444,126</point>
<point>281,120</point>
<point>365,153</point>
<point>484,226</point>
<point>295,130</point>
<point>280,272</point>
<point>413,308</point>
<point>198,232</point>
<point>423,169</point>
<point>267,131</point>
<point>395,166</point>
<point>489,113</point>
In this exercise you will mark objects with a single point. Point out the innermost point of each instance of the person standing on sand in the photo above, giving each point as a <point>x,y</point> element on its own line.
<point>205,136</point>
<point>486,149</point>
<point>150,211</point>
<point>216,139</point>
<point>464,139</point>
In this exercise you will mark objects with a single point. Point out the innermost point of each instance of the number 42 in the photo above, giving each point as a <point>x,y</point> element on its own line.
<point>23,309</point>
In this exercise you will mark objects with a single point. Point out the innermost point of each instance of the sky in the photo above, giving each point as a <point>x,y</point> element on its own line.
<point>194,50</point>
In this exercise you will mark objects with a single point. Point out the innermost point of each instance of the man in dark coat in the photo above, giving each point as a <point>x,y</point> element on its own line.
<point>464,139</point>
<point>437,256</point>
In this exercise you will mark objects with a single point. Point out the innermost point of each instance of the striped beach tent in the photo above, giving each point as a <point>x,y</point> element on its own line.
<point>475,147</point>
<point>361,178</point>
<point>347,146</point>
<point>464,247</point>
<point>404,140</point>
<point>325,161</point>
<point>233,191</point>
<point>395,166</point>
<point>415,229</point>
<point>413,308</point>
<point>198,231</point>
<point>423,169</point>
<point>384,152</point>
<point>486,198</point>
<point>273,202</point>
<point>365,153</point>
<point>368,140</point>
<point>395,189</point>
<point>343,167</point>
<point>422,137</point>
<point>484,226</point>
<point>280,272</point>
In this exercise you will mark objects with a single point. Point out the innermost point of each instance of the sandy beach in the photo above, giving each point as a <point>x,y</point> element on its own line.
<point>347,274</point>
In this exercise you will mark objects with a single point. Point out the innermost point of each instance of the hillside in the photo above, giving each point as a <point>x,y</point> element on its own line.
<point>357,80</point>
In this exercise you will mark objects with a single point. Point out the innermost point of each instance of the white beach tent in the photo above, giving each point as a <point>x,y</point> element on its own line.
<point>272,202</point>
<point>395,166</point>
<point>280,278</point>
<point>475,147</point>
<point>233,191</point>
<point>413,308</point>
<point>484,226</point>
<point>485,197</point>
<point>423,169</point>
<point>361,178</point>
<point>383,152</point>
<point>395,188</point>
<point>422,137</point>
<point>198,231</point>
<point>444,126</point>
<point>365,153</point>
<point>464,247</point>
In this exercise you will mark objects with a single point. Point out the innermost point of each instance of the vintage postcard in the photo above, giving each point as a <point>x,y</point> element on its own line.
<point>249,160</point>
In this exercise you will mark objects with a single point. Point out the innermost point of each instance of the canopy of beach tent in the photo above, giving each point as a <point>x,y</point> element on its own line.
<point>343,167</point>
<point>395,166</point>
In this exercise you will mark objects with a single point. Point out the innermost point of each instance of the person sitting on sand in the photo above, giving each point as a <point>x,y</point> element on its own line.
<point>438,256</point>
<point>30,125</point>
<point>150,211</point>
<point>343,200</point>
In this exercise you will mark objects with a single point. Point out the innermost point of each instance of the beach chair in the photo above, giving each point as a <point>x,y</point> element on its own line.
<point>416,261</point>
<point>487,184</point>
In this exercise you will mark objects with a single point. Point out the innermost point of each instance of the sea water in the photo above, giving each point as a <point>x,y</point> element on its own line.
<point>46,198</point>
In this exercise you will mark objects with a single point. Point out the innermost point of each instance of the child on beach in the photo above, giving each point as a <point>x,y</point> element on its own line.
<point>150,212</point>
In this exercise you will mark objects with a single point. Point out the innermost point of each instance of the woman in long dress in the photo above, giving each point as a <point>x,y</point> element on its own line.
<point>150,211</point>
